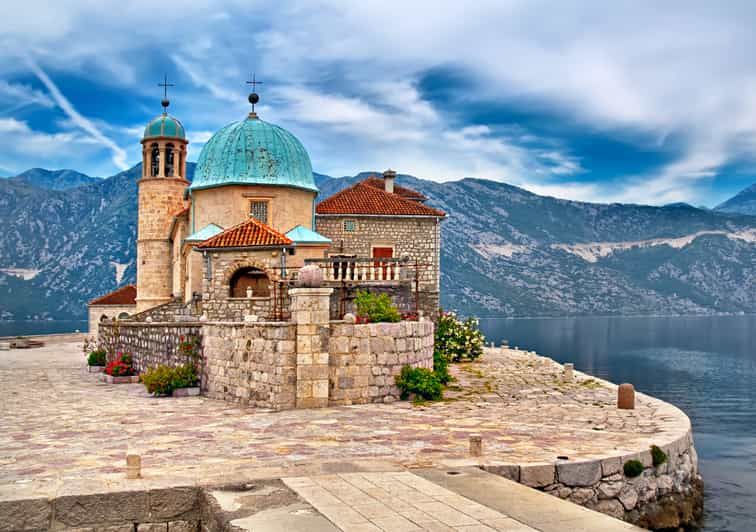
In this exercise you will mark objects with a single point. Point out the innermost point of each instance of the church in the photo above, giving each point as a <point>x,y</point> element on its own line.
<point>229,244</point>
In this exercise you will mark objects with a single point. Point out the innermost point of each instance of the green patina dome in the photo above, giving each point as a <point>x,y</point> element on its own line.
<point>253,152</point>
<point>164,126</point>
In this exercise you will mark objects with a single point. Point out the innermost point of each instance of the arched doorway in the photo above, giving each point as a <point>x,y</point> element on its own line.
<point>249,277</point>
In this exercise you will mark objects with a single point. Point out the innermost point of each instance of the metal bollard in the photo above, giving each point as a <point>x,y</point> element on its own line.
<point>476,445</point>
<point>569,372</point>
<point>133,466</point>
<point>626,397</point>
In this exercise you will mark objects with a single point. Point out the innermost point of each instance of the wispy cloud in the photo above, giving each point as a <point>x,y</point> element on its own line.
<point>118,154</point>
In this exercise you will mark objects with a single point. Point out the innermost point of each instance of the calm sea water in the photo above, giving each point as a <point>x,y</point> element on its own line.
<point>22,328</point>
<point>706,366</point>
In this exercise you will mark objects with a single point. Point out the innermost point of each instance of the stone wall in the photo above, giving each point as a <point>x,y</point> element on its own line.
<point>250,363</point>
<point>667,496</point>
<point>364,359</point>
<point>175,310</point>
<point>151,344</point>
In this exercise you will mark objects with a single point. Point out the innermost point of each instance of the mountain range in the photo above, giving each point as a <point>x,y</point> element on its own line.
<point>506,251</point>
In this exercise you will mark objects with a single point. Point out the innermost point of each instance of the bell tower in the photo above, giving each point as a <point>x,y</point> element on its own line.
<point>161,196</point>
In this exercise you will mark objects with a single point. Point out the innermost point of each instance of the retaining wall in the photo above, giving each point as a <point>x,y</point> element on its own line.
<point>364,359</point>
<point>151,344</point>
<point>667,496</point>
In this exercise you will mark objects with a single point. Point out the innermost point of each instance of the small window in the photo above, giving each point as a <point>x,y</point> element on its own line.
<point>155,161</point>
<point>350,226</point>
<point>259,211</point>
<point>169,160</point>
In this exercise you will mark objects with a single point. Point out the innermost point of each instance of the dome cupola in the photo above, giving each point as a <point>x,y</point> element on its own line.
<point>164,125</point>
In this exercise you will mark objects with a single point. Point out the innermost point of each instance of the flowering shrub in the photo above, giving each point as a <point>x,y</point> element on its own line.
<point>420,381</point>
<point>458,340</point>
<point>97,357</point>
<point>189,346</point>
<point>122,366</point>
<point>376,307</point>
<point>162,380</point>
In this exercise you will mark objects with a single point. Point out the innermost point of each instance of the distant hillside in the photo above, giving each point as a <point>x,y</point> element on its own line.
<point>54,179</point>
<point>744,202</point>
<point>506,251</point>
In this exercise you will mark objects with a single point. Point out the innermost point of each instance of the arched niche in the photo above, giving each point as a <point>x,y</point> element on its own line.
<point>249,277</point>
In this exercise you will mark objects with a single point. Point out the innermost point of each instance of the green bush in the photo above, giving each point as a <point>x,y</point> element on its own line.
<point>158,380</point>
<point>420,381</point>
<point>441,367</point>
<point>633,468</point>
<point>658,456</point>
<point>97,357</point>
<point>184,376</point>
<point>162,380</point>
<point>376,307</point>
<point>458,340</point>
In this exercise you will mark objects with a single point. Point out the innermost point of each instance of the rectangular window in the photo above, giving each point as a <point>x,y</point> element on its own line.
<point>349,226</point>
<point>259,211</point>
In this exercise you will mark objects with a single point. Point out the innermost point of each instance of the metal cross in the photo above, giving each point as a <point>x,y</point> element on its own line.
<point>165,86</point>
<point>254,82</point>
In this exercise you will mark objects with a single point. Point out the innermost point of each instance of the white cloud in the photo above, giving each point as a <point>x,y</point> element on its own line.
<point>119,155</point>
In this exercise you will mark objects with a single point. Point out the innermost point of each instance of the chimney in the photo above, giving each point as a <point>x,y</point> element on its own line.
<point>389,176</point>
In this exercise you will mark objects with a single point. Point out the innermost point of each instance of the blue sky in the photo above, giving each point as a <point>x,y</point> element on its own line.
<point>642,102</point>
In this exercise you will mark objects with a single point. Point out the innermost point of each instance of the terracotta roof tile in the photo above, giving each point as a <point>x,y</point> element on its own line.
<point>126,295</point>
<point>406,193</point>
<point>364,198</point>
<point>250,233</point>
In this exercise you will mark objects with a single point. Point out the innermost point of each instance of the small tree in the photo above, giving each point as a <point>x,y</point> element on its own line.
<point>376,307</point>
<point>458,340</point>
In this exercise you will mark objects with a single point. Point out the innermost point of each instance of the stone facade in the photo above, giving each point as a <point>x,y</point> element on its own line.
<point>251,364</point>
<point>217,303</point>
<point>365,359</point>
<point>99,313</point>
<point>159,200</point>
<point>418,239</point>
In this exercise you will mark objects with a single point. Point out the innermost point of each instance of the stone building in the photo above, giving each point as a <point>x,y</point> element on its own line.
<point>119,305</point>
<point>230,244</point>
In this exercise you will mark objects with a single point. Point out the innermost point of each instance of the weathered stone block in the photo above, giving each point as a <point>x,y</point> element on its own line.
<point>114,508</point>
<point>537,475</point>
<point>579,473</point>
<point>29,514</point>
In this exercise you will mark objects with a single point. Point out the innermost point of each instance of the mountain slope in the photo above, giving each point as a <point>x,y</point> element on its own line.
<point>54,179</point>
<point>505,251</point>
<point>744,202</point>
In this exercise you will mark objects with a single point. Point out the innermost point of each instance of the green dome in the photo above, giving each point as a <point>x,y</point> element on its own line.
<point>164,126</point>
<point>253,152</point>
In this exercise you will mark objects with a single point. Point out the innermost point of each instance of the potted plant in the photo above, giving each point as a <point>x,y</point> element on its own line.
<point>121,370</point>
<point>96,360</point>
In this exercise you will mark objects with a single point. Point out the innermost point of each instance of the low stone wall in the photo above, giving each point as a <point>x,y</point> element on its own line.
<point>667,496</point>
<point>150,344</point>
<point>235,308</point>
<point>250,363</point>
<point>364,359</point>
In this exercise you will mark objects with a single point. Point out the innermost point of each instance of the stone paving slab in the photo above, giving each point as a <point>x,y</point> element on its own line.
<point>397,501</point>
<point>62,431</point>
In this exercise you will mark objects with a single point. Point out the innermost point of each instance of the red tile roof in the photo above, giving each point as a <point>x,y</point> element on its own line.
<point>363,198</point>
<point>407,193</point>
<point>126,295</point>
<point>250,233</point>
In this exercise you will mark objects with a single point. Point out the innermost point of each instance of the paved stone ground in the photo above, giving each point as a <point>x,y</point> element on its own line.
<point>63,431</point>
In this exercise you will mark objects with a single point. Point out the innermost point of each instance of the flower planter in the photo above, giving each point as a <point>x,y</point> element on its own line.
<point>186,392</point>
<point>134,379</point>
<point>95,369</point>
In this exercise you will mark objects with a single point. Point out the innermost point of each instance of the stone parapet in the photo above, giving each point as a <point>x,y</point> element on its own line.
<point>366,358</point>
<point>310,314</point>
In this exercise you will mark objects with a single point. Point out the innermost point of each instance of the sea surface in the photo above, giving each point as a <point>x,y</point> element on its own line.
<point>704,365</point>
<point>24,328</point>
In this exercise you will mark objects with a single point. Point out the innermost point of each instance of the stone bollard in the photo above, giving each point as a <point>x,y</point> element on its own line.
<point>626,397</point>
<point>568,372</point>
<point>133,466</point>
<point>476,445</point>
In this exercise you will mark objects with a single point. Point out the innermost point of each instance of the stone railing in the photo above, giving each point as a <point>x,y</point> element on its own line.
<point>362,270</point>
